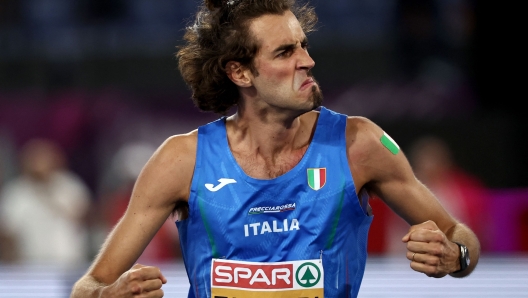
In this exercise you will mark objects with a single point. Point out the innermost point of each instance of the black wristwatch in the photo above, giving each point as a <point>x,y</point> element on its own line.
<point>464,257</point>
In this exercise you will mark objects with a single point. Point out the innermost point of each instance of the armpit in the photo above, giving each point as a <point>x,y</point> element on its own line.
<point>181,210</point>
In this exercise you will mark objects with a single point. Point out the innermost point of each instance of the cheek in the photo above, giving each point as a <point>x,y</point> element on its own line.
<point>274,75</point>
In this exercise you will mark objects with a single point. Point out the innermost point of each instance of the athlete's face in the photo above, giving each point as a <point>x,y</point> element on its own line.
<point>283,66</point>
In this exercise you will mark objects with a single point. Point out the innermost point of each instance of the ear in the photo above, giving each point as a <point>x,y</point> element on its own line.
<point>238,74</point>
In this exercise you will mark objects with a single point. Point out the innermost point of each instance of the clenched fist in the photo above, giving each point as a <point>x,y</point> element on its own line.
<point>139,281</point>
<point>430,251</point>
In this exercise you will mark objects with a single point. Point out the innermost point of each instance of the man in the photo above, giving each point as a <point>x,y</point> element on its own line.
<point>55,199</point>
<point>272,201</point>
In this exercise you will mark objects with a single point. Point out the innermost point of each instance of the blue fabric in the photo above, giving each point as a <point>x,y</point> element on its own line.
<point>332,225</point>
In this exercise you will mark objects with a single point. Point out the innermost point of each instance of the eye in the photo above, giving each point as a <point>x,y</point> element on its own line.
<point>285,53</point>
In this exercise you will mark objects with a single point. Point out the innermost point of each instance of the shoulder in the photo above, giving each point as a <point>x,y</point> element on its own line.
<point>67,178</point>
<point>363,133</point>
<point>358,127</point>
<point>16,189</point>
<point>179,145</point>
<point>372,154</point>
<point>71,189</point>
<point>177,151</point>
<point>171,167</point>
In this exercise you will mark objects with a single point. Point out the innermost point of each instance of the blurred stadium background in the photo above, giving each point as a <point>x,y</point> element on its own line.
<point>98,78</point>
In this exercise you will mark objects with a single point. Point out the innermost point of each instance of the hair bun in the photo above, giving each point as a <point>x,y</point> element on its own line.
<point>213,4</point>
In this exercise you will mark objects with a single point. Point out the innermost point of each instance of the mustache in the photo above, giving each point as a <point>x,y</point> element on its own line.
<point>309,73</point>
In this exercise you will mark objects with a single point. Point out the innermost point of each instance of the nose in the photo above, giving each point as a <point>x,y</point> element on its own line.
<point>305,60</point>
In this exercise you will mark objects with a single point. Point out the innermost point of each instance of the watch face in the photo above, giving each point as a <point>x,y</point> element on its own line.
<point>466,255</point>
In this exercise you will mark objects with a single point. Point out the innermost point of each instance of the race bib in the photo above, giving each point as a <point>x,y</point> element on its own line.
<point>293,279</point>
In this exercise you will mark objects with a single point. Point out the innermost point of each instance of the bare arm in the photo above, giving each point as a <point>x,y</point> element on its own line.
<point>431,239</point>
<point>164,181</point>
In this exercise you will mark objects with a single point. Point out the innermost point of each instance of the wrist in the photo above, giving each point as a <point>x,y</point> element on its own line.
<point>102,292</point>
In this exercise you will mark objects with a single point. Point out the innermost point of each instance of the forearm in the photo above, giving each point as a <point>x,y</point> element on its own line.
<point>87,287</point>
<point>462,234</point>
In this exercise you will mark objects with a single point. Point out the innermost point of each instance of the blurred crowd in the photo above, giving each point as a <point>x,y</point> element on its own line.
<point>49,215</point>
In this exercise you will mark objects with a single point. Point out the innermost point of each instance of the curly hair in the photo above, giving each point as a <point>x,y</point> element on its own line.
<point>220,34</point>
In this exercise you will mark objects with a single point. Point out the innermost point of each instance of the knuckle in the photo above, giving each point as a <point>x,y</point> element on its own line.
<point>133,275</point>
<point>157,293</point>
<point>158,283</point>
<point>430,271</point>
<point>434,262</point>
<point>134,288</point>
<point>431,223</point>
<point>435,251</point>
<point>438,236</point>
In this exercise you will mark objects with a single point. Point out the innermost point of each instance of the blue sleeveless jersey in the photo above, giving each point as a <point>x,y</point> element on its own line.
<point>310,212</point>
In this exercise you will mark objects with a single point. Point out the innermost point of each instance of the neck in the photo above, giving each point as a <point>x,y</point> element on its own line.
<point>267,145</point>
<point>268,137</point>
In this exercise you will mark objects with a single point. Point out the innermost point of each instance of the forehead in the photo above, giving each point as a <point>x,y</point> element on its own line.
<point>272,30</point>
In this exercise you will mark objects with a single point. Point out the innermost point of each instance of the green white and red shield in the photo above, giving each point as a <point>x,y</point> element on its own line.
<point>316,178</point>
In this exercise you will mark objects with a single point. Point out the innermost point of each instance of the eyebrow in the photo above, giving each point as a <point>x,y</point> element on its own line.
<point>287,47</point>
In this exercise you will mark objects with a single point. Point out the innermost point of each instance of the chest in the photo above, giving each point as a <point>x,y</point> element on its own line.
<point>260,167</point>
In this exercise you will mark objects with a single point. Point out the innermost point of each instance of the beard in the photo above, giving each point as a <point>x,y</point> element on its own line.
<point>317,95</point>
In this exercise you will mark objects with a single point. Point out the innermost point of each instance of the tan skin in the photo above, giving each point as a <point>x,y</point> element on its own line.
<point>268,136</point>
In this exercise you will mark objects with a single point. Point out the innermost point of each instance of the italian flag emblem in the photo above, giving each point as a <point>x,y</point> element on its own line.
<point>316,178</point>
